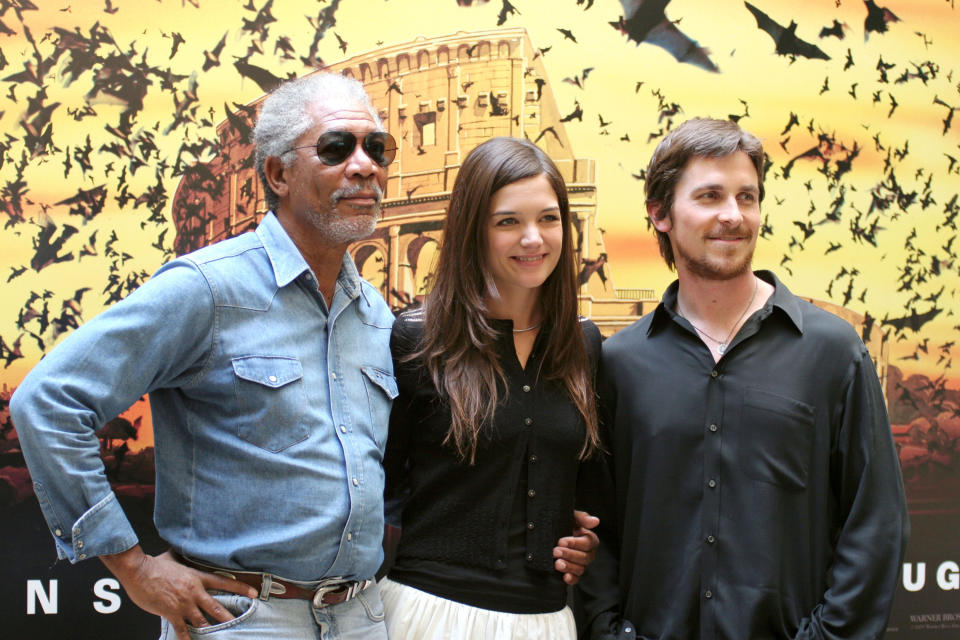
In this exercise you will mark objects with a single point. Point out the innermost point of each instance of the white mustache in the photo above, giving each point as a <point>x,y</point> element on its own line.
<point>348,192</point>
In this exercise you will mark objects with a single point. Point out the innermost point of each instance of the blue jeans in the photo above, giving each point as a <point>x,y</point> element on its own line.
<point>360,618</point>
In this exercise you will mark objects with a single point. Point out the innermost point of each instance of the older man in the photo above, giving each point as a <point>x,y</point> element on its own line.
<point>268,365</point>
<point>757,487</point>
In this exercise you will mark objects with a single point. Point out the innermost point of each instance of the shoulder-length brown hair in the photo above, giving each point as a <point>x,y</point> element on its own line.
<point>458,341</point>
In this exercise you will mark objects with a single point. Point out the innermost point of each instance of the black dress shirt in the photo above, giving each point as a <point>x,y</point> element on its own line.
<point>483,533</point>
<point>756,497</point>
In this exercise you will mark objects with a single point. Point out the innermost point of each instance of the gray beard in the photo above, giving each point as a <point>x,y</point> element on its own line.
<point>340,229</point>
<point>344,229</point>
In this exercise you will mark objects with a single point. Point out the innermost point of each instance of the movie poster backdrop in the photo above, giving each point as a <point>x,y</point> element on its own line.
<point>125,142</point>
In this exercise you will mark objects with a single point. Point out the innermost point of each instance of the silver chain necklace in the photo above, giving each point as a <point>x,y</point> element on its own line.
<point>722,344</point>
<point>530,328</point>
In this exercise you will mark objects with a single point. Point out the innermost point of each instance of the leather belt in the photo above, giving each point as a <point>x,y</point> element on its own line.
<point>268,585</point>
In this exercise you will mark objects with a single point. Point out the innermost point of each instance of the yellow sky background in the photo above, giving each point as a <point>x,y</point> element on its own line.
<point>772,87</point>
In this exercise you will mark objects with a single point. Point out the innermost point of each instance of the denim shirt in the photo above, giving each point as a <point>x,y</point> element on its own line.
<point>269,413</point>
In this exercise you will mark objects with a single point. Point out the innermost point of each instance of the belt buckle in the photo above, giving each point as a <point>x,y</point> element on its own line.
<point>323,590</point>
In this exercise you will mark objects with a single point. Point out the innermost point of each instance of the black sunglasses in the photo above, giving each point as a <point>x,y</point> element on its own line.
<point>333,147</point>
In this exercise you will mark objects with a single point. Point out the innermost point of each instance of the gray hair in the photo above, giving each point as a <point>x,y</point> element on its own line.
<point>285,116</point>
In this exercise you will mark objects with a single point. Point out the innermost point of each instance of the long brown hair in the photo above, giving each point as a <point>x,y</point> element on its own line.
<point>458,340</point>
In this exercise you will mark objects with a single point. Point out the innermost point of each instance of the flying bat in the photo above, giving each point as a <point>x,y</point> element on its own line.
<point>645,21</point>
<point>788,44</point>
<point>506,10</point>
<point>551,131</point>
<point>877,18</point>
<point>914,321</point>
<point>47,248</point>
<point>212,58</point>
<point>835,30</point>
<point>264,79</point>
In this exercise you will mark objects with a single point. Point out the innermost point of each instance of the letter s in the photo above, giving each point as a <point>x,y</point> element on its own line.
<point>109,601</point>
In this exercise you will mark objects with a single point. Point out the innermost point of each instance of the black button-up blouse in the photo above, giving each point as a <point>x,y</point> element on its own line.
<point>483,534</point>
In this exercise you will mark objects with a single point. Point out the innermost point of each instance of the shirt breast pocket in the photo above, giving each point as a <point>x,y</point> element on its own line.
<point>776,437</point>
<point>272,400</point>
<point>381,388</point>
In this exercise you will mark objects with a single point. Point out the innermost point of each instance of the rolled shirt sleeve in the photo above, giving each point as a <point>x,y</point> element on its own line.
<point>155,337</point>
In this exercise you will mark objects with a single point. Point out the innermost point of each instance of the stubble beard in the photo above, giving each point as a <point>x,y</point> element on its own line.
<point>709,268</point>
<point>340,228</point>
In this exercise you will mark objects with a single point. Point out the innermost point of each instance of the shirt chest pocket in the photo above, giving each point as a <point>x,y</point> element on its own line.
<point>272,401</point>
<point>381,389</point>
<point>776,437</point>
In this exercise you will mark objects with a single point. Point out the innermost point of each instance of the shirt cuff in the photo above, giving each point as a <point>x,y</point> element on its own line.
<point>608,626</point>
<point>102,530</point>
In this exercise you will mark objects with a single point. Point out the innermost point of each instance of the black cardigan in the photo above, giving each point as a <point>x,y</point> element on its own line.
<point>457,513</point>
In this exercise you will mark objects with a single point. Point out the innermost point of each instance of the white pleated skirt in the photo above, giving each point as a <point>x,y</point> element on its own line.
<point>412,614</point>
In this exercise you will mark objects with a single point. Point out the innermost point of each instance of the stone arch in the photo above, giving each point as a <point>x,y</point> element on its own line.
<point>423,59</point>
<point>418,253</point>
<point>371,257</point>
<point>403,62</point>
<point>443,55</point>
<point>366,73</point>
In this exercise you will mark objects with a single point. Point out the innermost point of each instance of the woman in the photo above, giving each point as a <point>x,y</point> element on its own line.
<point>496,411</point>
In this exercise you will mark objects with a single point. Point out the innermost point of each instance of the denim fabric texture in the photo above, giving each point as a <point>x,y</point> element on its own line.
<point>269,413</point>
<point>361,618</point>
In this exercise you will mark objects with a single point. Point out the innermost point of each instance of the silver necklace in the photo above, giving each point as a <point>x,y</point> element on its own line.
<point>530,328</point>
<point>722,344</point>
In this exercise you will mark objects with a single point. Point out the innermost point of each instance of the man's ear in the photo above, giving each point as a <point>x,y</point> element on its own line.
<point>274,170</point>
<point>659,217</point>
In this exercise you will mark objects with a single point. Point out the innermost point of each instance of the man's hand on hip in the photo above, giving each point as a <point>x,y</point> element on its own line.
<point>177,593</point>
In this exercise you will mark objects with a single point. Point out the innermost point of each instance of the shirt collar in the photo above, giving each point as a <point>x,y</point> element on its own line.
<point>781,299</point>
<point>288,263</point>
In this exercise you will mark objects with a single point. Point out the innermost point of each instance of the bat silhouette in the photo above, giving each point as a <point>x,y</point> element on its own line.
<point>15,272</point>
<point>177,41</point>
<point>259,23</point>
<point>264,79</point>
<point>579,80</point>
<point>551,131</point>
<point>877,19</point>
<point>212,58</point>
<point>87,203</point>
<point>645,21</point>
<point>238,124</point>
<point>576,113</point>
<point>591,267</point>
<point>47,248</point>
<point>836,30</point>
<point>506,10</point>
<point>913,321</point>
<point>785,38</point>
